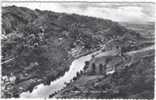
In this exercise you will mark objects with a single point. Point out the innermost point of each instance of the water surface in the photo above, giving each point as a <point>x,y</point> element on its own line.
<point>43,91</point>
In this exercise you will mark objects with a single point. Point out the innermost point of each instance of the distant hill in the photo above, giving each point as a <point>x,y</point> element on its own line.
<point>146,29</point>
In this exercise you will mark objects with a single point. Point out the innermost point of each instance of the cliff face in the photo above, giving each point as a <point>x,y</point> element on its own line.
<point>42,44</point>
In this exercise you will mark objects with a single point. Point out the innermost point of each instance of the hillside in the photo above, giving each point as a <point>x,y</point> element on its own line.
<point>39,46</point>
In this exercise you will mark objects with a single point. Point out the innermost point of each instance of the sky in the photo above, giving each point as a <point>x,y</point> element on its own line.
<point>122,12</point>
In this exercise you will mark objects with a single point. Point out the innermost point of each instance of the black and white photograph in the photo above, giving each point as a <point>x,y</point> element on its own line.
<point>77,50</point>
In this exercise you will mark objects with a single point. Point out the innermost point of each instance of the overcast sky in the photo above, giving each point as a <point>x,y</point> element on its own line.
<point>125,12</point>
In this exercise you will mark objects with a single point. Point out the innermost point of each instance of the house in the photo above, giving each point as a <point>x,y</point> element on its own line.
<point>103,65</point>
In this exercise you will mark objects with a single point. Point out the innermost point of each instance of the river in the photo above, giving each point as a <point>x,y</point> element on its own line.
<point>43,91</point>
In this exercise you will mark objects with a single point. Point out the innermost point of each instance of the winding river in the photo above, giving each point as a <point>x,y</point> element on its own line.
<point>43,91</point>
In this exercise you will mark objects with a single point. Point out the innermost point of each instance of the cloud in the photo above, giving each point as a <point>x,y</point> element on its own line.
<point>127,12</point>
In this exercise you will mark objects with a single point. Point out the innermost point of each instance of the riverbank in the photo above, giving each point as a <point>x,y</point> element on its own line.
<point>44,91</point>
<point>98,85</point>
<point>29,83</point>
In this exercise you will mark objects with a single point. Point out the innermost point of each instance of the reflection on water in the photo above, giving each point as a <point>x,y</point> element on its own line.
<point>44,90</point>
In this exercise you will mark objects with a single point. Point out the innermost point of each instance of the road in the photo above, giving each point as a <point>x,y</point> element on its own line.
<point>141,50</point>
<point>7,61</point>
